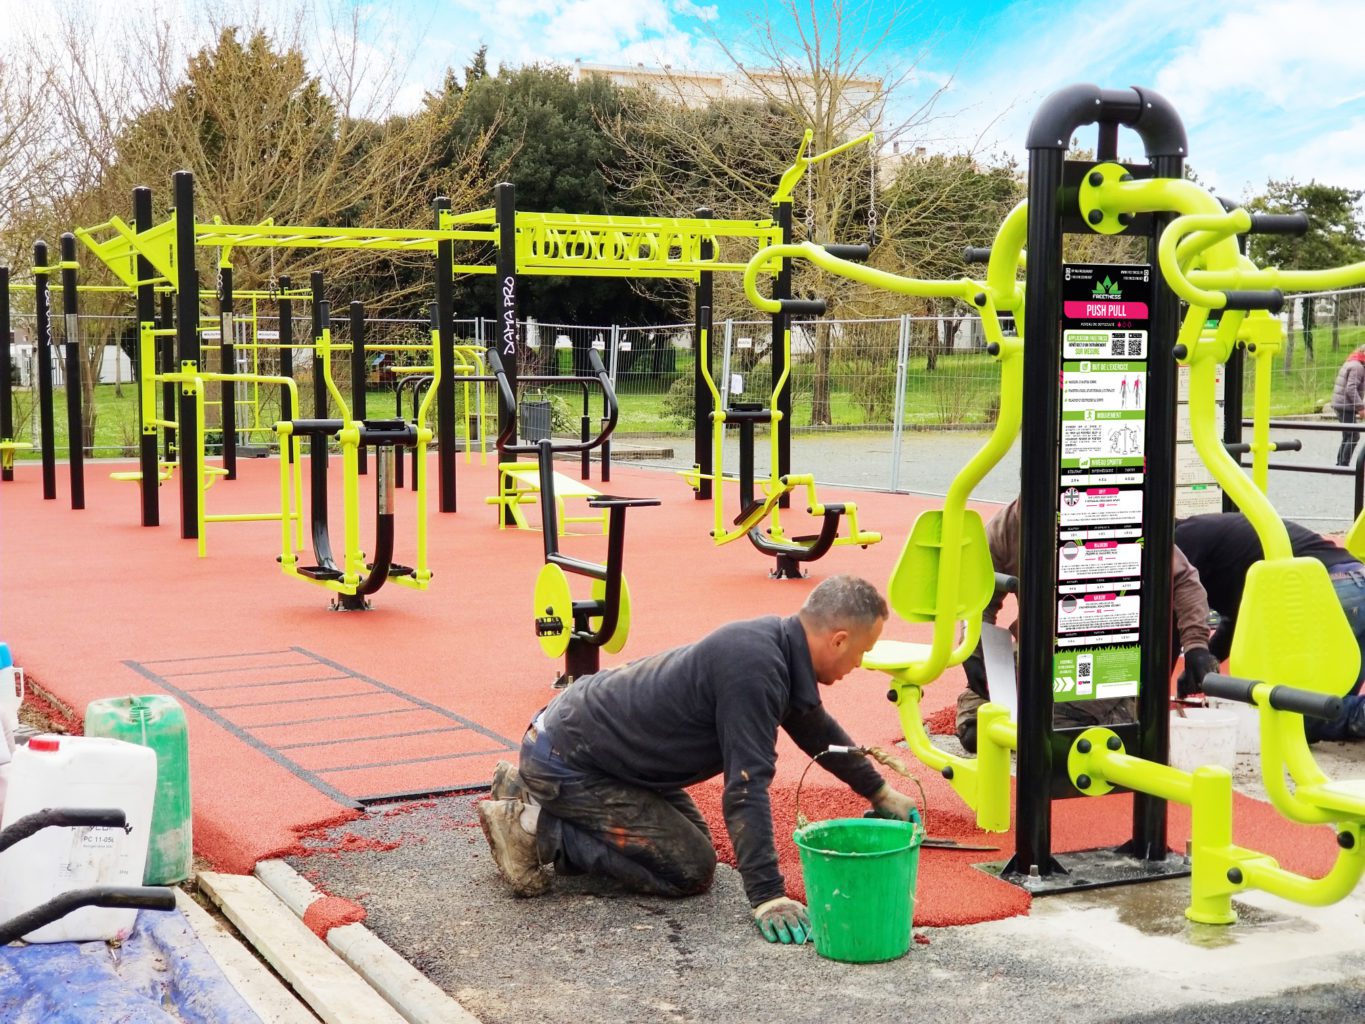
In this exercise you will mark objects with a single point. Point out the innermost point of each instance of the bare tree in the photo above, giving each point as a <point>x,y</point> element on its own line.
<point>805,68</point>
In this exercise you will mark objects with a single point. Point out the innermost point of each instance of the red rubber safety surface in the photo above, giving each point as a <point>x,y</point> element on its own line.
<point>298,714</point>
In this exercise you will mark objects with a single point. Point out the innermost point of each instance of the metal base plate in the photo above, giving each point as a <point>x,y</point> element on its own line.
<point>1092,869</point>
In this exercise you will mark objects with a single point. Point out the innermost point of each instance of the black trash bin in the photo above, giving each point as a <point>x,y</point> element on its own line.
<point>535,420</point>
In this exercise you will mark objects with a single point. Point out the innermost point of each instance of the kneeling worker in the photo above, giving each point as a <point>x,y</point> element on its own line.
<point>603,769</point>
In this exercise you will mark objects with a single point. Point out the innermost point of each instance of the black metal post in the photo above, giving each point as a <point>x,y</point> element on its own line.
<point>71,334</point>
<point>445,363</point>
<point>42,328</point>
<point>227,363</point>
<point>1154,636</point>
<point>702,436</point>
<point>781,327</point>
<point>7,365</point>
<point>286,339</point>
<point>358,373</point>
<point>189,435</point>
<point>1037,515</point>
<point>149,483</point>
<point>505,213</point>
<point>317,441</point>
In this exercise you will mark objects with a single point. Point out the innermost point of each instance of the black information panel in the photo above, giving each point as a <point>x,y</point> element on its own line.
<point>1105,312</point>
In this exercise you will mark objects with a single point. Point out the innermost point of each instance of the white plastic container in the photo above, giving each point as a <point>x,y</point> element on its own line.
<point>1248,723</point>
<point>69,772</point>
<point>1203,736</point>
<point>11,691</point>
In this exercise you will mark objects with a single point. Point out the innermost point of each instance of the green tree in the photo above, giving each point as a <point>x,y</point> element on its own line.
<point>1336,236</point>
<point>545,140</point>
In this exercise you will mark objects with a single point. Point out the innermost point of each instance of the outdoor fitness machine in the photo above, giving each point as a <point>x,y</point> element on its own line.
<point>356,577</point>
<point>755,510</point>
<point>575,630</point>
<point>1099,354</point>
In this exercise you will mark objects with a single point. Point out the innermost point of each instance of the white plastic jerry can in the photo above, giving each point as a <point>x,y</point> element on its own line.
<point>77,772</point>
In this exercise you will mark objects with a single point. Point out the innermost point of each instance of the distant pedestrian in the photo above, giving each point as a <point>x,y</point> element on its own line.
<point>1348,401</point>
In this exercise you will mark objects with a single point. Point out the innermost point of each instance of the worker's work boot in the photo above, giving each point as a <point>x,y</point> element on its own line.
<point>507,784</point>
<point>513,845</point>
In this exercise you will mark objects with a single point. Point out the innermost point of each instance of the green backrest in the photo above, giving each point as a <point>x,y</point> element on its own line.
<point>913,591</point>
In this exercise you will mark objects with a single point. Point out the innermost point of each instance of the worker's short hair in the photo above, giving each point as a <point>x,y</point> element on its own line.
<point>844,602</point>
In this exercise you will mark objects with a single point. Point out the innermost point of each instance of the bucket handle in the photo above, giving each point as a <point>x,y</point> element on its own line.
<point>877,754</point>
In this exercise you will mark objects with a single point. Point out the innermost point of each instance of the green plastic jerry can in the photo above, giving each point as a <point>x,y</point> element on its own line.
<point>156,721</point>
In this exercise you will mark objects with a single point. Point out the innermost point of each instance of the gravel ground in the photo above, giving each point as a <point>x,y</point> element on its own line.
<point>588,953</point>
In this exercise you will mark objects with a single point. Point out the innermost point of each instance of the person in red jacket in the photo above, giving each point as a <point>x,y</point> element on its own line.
<point>1348,401</point>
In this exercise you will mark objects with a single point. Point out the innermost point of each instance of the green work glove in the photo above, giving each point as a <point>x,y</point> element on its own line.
<point>888,803</point>
<point>782,920</point>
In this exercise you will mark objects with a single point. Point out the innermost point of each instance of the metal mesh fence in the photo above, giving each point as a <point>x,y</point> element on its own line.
<point>861,390</point>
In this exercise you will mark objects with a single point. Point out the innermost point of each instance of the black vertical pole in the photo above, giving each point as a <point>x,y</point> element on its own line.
<point>445,362</point>
<point>702,435</point>
<point>227,363</point>
<point>7,366</point>
<point>317,443</point>
<point>149,483</point>
<point>188,436</point>
<point>1233,372</point>
<point>287,410</point>
<point>358,370</point>
<point>1037,514</point>
<point>781,325</point>
<point>505,212</point>
<point>42,316</point>
<point>1154,636</point>
<point>71,332</point>
<point>165,350</point>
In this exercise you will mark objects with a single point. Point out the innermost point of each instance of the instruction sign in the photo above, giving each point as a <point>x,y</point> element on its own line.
<point>1101,461</point>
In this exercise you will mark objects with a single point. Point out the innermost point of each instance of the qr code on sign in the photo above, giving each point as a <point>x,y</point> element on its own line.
<point>1118,345</point>
<point>1135,344</point>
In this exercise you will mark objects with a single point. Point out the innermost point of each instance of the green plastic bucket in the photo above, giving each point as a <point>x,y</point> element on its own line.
<point>860,886</point>
<point>156,721</point>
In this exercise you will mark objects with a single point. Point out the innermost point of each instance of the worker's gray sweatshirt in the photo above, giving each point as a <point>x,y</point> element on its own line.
<point>711,707</point>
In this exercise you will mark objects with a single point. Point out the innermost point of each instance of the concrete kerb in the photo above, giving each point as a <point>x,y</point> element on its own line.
<point>403,987</point>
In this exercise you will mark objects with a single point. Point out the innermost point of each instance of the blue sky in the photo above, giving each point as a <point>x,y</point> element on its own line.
<point>1266,88</point>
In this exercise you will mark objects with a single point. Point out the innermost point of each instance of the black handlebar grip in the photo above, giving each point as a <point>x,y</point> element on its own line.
<point>1282,698</point>
<point>848,252</point>
<point>1292,445</point>
<point>815,307</point>
<point>1228,687</point>
<point>1237,447</point>
<point>1006,584</point>
<point>1304,702</point>
<point>1271,300</point>
<point>1279,224</point>
<point>977,254</point>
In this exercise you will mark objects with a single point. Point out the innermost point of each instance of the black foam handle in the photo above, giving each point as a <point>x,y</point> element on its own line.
<point>1271,300</point>
<point>1228,687</point>
<point>1291,445</point>
<point>1304,702</point>
<point>977,254</point>
<point>815,307</point>
<point>848,252</point>
<point>1006,584</point>
<point>1237,447</point>
<point>1279,223</point>
<point>1282,698</point>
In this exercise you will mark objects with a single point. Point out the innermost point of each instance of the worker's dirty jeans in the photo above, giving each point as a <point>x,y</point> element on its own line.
<point>652,841</point>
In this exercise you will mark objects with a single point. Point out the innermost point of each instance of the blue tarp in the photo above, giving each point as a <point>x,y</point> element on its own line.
<point>161,974</point>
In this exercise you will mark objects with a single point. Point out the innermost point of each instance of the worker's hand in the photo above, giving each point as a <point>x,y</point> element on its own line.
<point>890,803</point>
<point>783,920</point>
<point>1199,662</point>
